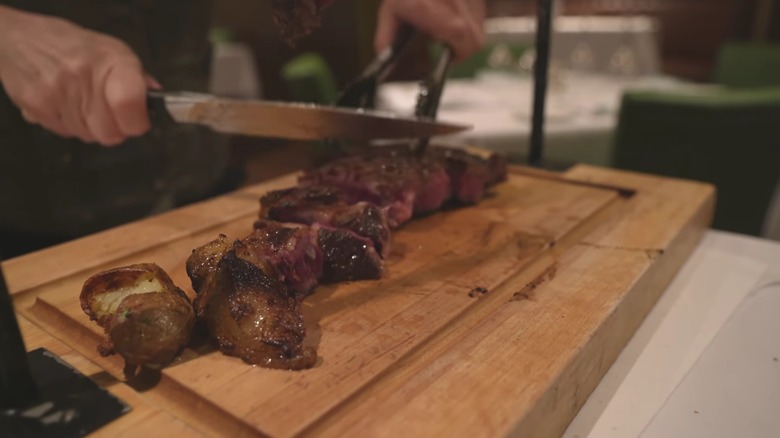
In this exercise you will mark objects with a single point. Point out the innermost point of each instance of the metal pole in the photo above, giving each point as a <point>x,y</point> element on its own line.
<point>541,67</point>
<point>17,386</point>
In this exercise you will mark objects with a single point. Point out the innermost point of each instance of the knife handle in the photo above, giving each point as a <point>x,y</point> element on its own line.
<point>156,107</point>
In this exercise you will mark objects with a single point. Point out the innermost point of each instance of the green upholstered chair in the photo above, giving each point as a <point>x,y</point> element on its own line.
<point>309,79</point>
<point>745,65</point>
<point>730,138</point>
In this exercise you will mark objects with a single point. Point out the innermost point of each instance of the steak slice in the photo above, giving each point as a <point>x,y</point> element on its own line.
<point>470,175</point>
<point>203,261</point>
<point>401,184</point>
<point>328,206</point>
<point>346,255</point>
<point>248,311</point>
<point>292,252</point>
<point>470,170</point>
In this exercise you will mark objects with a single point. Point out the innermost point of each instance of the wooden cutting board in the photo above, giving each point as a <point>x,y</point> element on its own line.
<point>493,319</point>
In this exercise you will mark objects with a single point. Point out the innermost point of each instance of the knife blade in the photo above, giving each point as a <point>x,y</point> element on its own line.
<point>296,121</point>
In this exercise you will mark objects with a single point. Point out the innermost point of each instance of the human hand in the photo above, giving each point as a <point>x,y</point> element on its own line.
<point>70,80</point>
<point>458,23</point>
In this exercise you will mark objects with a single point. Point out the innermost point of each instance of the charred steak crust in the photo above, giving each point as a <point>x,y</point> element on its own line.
<point>203,261</point>
<point>406,184</point>
<point>288,254</point>
<point>403,185</point>
<point>347,256</point>
<point>252,315</point>
<point>250,312</point>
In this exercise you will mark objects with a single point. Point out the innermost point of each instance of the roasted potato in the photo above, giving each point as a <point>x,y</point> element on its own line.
<point>147,319</point>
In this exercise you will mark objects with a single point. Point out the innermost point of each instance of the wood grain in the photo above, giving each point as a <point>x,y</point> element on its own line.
<point>569,271</point>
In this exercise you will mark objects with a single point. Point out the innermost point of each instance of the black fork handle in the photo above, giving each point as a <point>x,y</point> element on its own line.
<point>361,93</point>
<point>386,60</point>
<point>430,92</point>
<point>432,87</point>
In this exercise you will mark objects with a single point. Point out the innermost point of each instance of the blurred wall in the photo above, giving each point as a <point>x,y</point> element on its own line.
<point>251,22</point>
<point>692,31</point>
<point>345,39</point>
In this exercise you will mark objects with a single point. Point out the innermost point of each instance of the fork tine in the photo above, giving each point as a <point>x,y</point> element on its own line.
<point>429,96</point>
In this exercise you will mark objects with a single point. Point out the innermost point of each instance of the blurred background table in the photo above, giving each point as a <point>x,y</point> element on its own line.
<point>582,111</point>
<point>594,61</point>
<point>623,45</point>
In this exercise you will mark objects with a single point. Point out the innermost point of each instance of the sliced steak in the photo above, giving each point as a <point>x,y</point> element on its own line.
<point>248,311</point>
<point>402,185</point>
<point>292,252</point>
<point>328,206</point>
<point>347,256</point>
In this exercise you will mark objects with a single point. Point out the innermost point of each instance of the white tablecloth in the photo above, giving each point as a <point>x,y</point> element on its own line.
<point>706,361</point>
<point>581,113</point>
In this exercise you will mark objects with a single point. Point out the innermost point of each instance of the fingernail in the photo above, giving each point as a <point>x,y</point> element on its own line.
<point>113,142</point>
<point>152,83</point>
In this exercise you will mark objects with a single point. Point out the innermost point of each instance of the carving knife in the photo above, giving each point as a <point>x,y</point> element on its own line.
<point>297,121</point>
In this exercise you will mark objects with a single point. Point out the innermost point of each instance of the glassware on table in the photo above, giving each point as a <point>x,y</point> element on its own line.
<point>525,64</point>
<point>500,57</point>
<point>624,61</point>
<point>583,58</point>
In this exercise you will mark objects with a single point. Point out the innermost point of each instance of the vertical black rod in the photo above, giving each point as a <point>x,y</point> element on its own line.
<point>541,67</point>
<point>17,386</point>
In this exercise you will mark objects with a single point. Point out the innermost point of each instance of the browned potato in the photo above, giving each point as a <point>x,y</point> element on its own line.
<point>147,318</point>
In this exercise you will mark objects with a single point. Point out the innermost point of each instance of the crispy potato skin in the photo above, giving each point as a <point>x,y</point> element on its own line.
<point>150,323</point>
<point>151,328</point>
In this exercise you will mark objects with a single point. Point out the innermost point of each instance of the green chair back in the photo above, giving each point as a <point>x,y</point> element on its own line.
<point>744,65</point>
<point>728,138</point>
<point>309,79</point>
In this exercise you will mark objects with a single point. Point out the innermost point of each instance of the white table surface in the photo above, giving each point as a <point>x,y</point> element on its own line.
<point>581,112</point>
<point>704,363</point>
<point>594,43</point>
